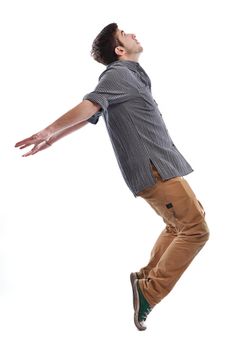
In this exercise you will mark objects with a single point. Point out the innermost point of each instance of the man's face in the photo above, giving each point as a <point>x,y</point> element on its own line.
<point>129,41</point>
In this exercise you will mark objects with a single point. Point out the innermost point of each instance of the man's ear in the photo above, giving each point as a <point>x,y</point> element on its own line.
<point>119,50</point>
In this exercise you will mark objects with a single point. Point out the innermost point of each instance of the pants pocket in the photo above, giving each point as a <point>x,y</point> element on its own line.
<point>183,204</point>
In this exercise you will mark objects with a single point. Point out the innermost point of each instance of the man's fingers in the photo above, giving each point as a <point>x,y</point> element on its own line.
<point>27,142</point>
<point>26,154</point>
<point>30,153</point>
<point>39,146</point>
<point>24,146</point>
<point>20,143</point>
<point>36,148</point>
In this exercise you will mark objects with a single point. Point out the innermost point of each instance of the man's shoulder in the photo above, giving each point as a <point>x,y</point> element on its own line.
<point>116,70</point>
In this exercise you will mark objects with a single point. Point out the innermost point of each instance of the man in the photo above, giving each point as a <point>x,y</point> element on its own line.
<point>151,165</point>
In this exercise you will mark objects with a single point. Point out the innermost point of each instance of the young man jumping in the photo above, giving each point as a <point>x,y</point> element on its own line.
<point>150,163</point>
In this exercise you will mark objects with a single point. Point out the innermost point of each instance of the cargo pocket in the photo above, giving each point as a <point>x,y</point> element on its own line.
<point>182,204</point>
<point>169,215</point>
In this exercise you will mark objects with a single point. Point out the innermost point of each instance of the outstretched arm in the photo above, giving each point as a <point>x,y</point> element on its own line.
<point>66,132</point>
<point>69,122</point>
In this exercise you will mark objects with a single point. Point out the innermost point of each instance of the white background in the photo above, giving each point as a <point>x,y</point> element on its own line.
<point>70,229</point>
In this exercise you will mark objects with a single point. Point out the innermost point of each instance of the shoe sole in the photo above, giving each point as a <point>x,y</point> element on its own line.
<point>133,278</point>
<point>136,303</point>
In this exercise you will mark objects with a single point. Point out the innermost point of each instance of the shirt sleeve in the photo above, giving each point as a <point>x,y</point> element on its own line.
<point>112,89</point>
<point>94,119</point>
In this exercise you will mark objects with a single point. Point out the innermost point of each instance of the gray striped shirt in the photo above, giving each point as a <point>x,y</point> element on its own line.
<point>135,125</point>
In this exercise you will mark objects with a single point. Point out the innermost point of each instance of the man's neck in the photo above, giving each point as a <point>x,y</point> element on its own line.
<point>134,58</point>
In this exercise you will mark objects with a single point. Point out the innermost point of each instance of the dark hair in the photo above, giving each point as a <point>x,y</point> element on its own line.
<point>104,45</point>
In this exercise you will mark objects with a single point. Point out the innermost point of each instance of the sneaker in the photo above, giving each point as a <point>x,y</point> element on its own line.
<point>141,307</point>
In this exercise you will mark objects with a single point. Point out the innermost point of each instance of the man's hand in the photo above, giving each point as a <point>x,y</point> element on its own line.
<point>39,140</point>
<point>67,123</point>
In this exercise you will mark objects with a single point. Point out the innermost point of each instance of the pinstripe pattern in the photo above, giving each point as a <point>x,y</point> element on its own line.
<point>135,125</point>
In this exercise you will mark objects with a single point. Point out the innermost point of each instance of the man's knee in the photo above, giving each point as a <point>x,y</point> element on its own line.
<point>198,232</point>
<point>202,231</point>
<point>206,230</point>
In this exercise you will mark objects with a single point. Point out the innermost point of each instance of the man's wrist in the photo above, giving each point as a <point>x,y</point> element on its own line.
<point>48,132</point>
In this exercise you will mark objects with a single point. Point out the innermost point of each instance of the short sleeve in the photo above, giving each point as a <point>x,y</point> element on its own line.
<point>112,89</point>
<point>94,119</point>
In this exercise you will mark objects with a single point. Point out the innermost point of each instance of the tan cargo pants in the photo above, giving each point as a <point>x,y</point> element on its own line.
<point>185,234</point>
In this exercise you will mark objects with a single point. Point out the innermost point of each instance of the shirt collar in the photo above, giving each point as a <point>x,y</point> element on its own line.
<point>132,65</point>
